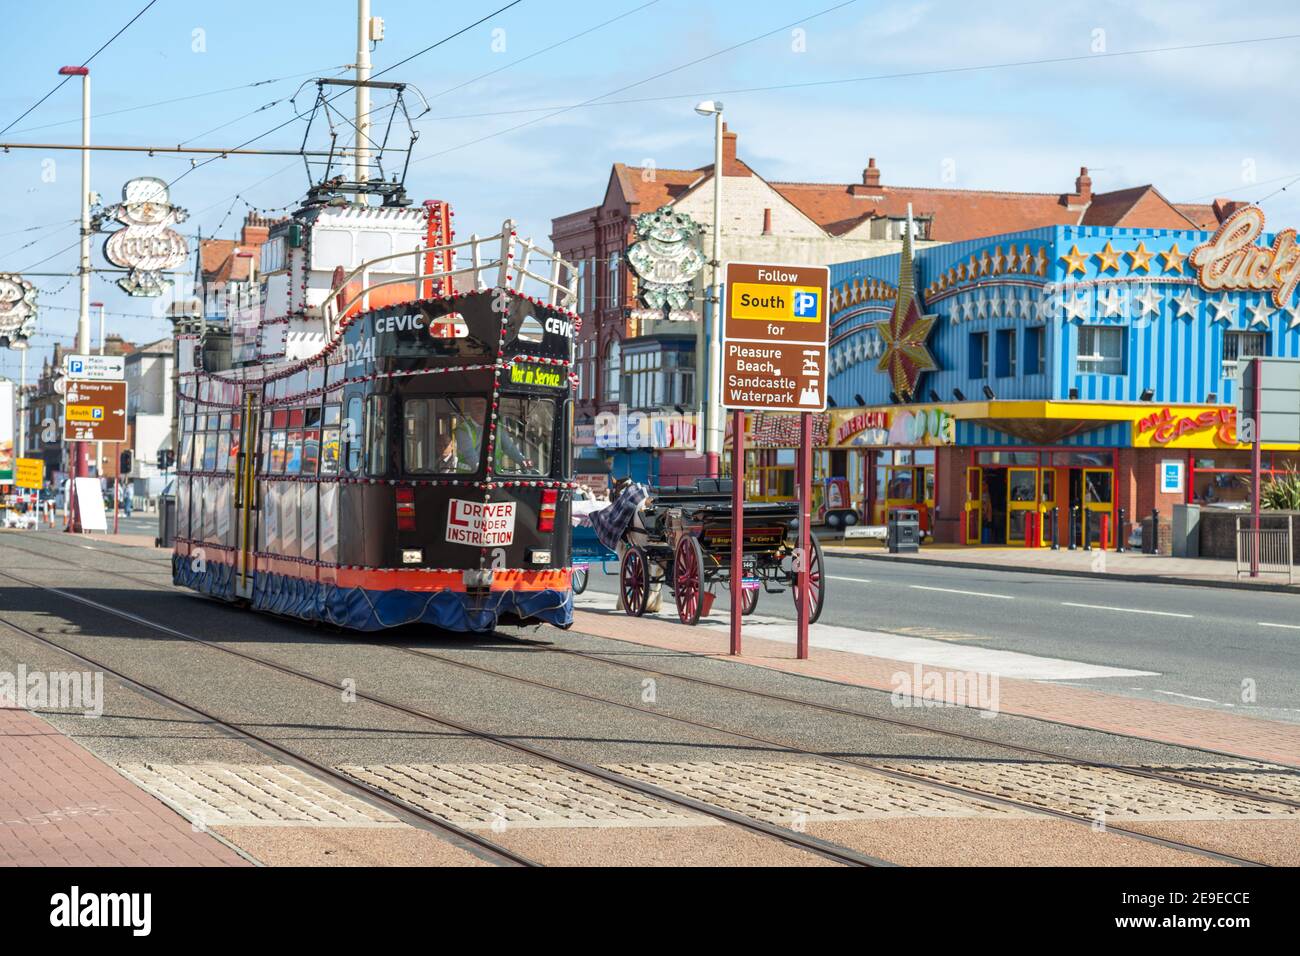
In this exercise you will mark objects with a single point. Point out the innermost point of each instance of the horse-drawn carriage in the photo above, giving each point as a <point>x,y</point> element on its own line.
<point>682,539</point>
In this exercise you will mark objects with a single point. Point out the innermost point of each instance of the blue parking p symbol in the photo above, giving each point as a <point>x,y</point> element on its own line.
<point>805,305</point>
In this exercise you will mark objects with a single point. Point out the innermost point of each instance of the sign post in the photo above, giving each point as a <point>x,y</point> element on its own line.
<point>775,342</point>
<point>1269,385</point>
<point>94,411</point>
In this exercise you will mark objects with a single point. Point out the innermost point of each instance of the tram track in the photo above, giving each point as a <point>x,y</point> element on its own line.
<point>823,848</point>
<point>889,772</point>
<point>1038,753</point>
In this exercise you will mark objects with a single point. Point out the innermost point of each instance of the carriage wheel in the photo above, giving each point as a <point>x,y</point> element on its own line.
<point>579,580</point>
<point>688,571</point>
<point>634,581</point>
<point>816,584</point>
<point>748,600</point>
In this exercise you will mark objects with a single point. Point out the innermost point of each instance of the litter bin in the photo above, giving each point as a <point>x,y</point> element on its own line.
<point>166,521</point>
<point>903,532</point>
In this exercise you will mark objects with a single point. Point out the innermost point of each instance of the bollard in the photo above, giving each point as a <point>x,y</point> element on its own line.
<point>1073,528</point>
<point>1105,532</point>
<point>1086,522</point>
<point>1029,530</point>
<point>1155,531</point>
<point>1055,519</point>
<point>1120,536</point>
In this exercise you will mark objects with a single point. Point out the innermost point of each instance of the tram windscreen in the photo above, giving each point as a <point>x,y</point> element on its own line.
<point>443,436</point>
<point>525,436</point>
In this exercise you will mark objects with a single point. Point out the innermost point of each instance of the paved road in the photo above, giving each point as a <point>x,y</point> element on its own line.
<point>1208,647</point>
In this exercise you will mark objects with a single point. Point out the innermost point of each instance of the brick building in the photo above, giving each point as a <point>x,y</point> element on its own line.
<point>775,221</point>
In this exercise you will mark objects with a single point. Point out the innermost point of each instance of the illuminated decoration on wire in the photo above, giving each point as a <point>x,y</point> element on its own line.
<point>17,310</point>
<point>666,261</point>
<point>147,245</point>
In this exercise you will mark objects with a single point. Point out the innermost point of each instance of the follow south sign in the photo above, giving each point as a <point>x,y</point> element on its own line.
<point>775,336</point>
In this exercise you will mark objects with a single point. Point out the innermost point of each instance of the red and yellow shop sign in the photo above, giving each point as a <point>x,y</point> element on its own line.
<point>857,426</point>
<point>1188,428</point>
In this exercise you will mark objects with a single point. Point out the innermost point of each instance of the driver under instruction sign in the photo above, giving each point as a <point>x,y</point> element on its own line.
<point>480,524</point>
<point>775,337</point>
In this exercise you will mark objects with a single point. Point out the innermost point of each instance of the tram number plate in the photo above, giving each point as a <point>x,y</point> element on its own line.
<point>480,524</point>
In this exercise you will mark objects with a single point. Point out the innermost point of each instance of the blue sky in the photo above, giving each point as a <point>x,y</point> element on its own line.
<point>1198,123</point>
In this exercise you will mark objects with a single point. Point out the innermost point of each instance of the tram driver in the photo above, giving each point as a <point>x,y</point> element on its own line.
<point>457,446</point>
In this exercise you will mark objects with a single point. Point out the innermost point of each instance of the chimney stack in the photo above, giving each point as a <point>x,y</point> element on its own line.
<point>731,166</point>
<point>1083,185</point>
<point>871,175</point>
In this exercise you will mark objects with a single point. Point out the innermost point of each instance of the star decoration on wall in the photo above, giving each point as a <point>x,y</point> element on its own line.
<point>1076,307</point>
<point>1225,310</point>
<point>1260,313</point>
<point>1292,310</point>
<point>998,260</point>
<point>1173,259</point>
<point>1108,257</point>
<point>1111,301</point>
<point>1075,261</point>
<point>1186,305</point>
<point>1150,300</point>
<point>1139,258</point>
<point>981,305</point>
<point>905,355</point>
<point>1042,263</point>
<point>1028,308</point>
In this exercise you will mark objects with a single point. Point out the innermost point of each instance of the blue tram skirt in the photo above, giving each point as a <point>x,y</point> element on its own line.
<point>359,609</point>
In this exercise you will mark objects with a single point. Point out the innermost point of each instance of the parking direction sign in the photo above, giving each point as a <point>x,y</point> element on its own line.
<point>94,411</point>
<point>95,368</point>
<point>775,337</point>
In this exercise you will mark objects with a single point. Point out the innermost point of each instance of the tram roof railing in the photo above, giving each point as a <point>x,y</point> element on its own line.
<point>510,268</point>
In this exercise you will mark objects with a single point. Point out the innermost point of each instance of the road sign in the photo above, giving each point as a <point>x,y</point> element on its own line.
<point>30,473</point>
<point>1279,398</point>
<point>775,337</point>
<point>94,411</point>
<point>95,368</point>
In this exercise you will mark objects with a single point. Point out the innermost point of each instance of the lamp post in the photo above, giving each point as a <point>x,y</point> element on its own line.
<point>79,469</point>
<point>100,306</point>
<point>710,406</point>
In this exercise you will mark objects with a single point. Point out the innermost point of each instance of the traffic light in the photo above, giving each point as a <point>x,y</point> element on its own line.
<point>124,463</point>
<point>166,458</point>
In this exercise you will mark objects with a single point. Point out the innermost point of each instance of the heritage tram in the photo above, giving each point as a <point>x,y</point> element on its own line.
<point>383,438</point>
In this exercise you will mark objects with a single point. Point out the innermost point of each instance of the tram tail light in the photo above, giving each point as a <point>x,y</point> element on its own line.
<point>405,509</point>
<point>546,515</point>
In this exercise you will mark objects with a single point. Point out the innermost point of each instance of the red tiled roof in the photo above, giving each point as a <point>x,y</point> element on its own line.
<point>648,189</point>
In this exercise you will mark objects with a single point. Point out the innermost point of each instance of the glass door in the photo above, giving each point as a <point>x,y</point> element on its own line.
<point>1098,500</point>
<point>1046,502</point>
<point>1022,501</point>
<point>974,506</point>
<point>900,488</point>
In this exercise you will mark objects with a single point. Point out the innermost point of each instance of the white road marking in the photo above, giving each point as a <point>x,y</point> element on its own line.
<point>1207,700</point>
<point>1291,627</point>
<point>895,647</point>
<point>1005,597</point>
<point>1130,610</point>
<point>839,577</point>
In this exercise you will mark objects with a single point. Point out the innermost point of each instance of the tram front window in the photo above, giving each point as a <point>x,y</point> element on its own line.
<point>525,436</point>
<point>442,436</point>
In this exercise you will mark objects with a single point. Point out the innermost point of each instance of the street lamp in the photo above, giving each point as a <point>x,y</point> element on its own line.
<point>712,412</point>
<point>79,464</point>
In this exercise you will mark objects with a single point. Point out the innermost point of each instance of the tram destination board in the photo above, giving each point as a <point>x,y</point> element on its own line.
<point>94,411</point>
<point>775,337</point>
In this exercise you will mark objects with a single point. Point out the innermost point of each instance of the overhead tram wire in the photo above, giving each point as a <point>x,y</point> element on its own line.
<point>86,62</point>
<point>298,116</point>
<point>911,74</point>
<point>648,79</point>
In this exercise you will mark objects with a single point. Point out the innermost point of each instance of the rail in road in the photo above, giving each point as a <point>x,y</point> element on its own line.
<point>785,745</point>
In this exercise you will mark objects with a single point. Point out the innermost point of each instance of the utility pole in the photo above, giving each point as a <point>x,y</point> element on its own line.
<point>362,158</point>
<point>79,469</point>
<point>100,306</point>
<point>710,364</point>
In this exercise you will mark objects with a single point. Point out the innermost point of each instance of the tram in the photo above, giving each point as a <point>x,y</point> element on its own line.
<point>383,437</point>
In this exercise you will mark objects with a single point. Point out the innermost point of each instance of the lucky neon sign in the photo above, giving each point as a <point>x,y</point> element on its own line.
<point>1165,428</point>
<point>1232,261</point>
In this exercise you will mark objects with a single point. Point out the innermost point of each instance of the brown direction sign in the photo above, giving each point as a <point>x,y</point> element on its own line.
<point>775,337</point>
<point>94,411</point>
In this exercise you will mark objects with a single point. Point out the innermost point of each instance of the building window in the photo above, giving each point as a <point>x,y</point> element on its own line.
<point>613,370</point>
<point>978,355</point>
<point>615,270</point>
<point>1006,353</point>
<point>1239,345</point>
<point>1035,350</point>
<point>1101,350</point>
